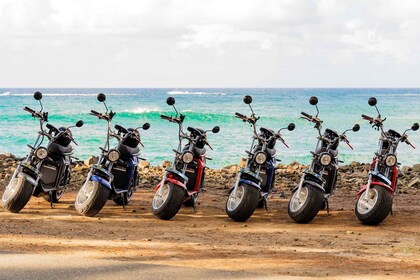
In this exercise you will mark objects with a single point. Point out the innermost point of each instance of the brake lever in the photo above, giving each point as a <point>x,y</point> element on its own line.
<point>141,144</point>
<point>208,144</point>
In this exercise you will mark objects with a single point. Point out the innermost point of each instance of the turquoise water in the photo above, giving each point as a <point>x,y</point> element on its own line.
<point>205,108</point>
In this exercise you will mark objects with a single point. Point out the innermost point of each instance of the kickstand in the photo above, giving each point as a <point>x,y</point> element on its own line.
<point>51,199</point>
<point>123,199</point>
<point>265,205</point>
<point>328,207</point>
<point>392,212</point>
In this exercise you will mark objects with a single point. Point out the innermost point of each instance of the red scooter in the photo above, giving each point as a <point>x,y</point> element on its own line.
<point>183,181</point>
<point>374,200</point>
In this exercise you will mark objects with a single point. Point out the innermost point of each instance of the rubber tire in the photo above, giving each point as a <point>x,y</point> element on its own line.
<point>173,203</point>
<point>97,201</point>
<point>127,198</point>
<point>310,208</point>
<point>191,201</point>
<point>21,198</point>
<point>247,206</point>
<point>380,211</point>
<point>55,197</point>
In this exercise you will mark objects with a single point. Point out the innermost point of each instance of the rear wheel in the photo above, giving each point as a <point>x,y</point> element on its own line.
<point>17,194</point>
<point>55,195</point>
<point>305,205</point>
<point>242,202</point>
<point>167,201</point>
<point>373,207</point>
<point>91,198</point>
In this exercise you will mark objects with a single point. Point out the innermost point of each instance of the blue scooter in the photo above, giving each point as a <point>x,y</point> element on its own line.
<point>254,182</point>
<point>115,175</point>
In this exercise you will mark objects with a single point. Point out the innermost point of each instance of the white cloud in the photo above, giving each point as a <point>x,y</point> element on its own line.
<point>241,42</point>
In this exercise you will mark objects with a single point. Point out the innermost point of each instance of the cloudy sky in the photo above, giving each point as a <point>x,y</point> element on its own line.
<point>219,43</point>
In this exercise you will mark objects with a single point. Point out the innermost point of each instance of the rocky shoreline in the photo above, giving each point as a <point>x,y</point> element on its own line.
<point>351,176</point>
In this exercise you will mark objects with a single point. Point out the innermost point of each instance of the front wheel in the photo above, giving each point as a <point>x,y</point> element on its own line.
<point>305,205</point>
<point>373,207</point>
<point>91,198</point>
<point>17,194</point>
<point>242,202</point>
<point>167,201</point>
<point>55,195</point>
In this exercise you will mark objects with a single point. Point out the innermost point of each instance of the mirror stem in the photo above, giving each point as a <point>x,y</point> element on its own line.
<point>106,107</point>
<point>379,114</point>
<point>42,107</point>
<point>251,109</point>
<point>317,111</point>
<point>176,111</point>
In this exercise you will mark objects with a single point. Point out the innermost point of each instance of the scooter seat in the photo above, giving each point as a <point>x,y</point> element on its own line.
<point>127,151</point>
<point>196,151</point>
<point>57,149</point>
<point>199,152</point>
<point>270,152</point>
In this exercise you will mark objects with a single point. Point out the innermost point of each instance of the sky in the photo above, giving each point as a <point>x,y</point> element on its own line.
<point>209,43</point>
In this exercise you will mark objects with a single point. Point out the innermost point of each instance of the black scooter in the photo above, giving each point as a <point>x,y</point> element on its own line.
<point>46,170</point>
<point>114,176</point>
<point>319,182</point>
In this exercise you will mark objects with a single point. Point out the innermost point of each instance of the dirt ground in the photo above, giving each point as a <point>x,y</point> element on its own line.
<point>334,246</point>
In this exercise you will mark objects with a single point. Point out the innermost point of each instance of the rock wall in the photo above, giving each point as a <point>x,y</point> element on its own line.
<point>351,177</point>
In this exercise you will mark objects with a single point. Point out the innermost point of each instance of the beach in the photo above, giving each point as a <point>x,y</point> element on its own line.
<point>206,243</point>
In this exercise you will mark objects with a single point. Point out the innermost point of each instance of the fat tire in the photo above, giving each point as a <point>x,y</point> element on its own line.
<point>381,209</point>
<point>247,205</point>
<point>173,203</point>
<point>92,206</point>
<point>20,199</point>
<point>310,208</point>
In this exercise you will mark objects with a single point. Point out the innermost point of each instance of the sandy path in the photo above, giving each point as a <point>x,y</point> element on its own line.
<point>207,244</point>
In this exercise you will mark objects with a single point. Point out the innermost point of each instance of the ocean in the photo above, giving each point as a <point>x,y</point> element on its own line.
<point>339,108</point>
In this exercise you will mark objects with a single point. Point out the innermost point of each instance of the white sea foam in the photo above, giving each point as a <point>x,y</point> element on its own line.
<point>141,110</point>
<point>178,92</point>
<point>7,93</point>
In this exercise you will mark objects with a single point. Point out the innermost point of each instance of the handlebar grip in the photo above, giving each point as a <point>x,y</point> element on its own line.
<point>94,112</point>
<point>27,109</point>
<point>306,115</point>
<point>239,115</point>
<point>367,117</point>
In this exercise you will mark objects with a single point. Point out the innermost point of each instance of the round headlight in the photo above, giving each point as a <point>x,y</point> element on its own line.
<point>187,157</point>
<point>325,159</point>
<point>41,153</point>
<point>260,158</point>
<point>113,155</point>
<point>391,160</point>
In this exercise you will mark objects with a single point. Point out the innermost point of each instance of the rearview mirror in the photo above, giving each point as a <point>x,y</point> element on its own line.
<point>146,126</point>
<point>356,127</point>
<point>215,129</point>
<point>372,101</point>
<point>291,127</point>
<point>101,97</point>
<point>248,99</point>
<point>79,123</point>
<point>170,101</point>
<point>415,127</point>
<point>38,95</point>
<point>313,100</point>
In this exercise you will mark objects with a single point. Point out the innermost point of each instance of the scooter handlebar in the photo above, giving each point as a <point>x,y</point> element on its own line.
<point>306,115</point>
<point>367,117</point>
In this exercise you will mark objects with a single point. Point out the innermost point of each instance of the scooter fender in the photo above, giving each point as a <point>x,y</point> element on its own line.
<point>29,179</point>
<point>312,183</point>
<point>248,182</point>
<point>101,181</point>
<point>387,187</point>
<point>173,181</point>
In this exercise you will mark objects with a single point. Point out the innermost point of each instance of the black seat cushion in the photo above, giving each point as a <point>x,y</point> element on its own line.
<point>55,148</point>
<point>127,151</point>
